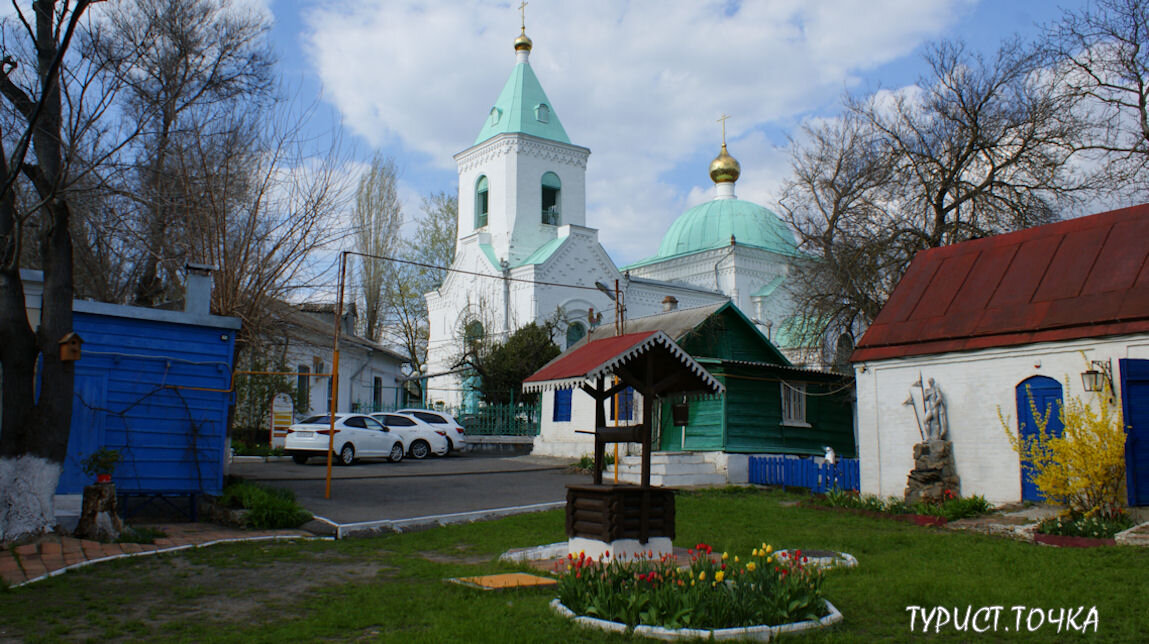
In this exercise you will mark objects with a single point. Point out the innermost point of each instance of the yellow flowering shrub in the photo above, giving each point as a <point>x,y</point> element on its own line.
<point>1084,468</point>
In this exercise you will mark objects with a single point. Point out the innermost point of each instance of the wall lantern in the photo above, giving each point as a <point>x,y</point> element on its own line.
<point>1098,376</point>
<point>681,414</point>
<point>70,347</point>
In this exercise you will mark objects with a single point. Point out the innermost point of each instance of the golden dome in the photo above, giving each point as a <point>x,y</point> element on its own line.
<point>523,42</point>
<point>724,168</point>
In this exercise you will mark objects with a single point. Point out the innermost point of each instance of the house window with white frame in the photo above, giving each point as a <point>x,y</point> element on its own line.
<point>794,404</point>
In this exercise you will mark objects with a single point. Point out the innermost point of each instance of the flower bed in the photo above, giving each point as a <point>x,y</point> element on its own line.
<point>950,508</point>
<point>712,592</point>
<point>1067,541</point>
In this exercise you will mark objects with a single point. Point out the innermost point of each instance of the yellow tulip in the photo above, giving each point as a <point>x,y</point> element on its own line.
<point>702,575</point>
<point>769,549</point>
<point>750,566</point>
<point>720,575</point>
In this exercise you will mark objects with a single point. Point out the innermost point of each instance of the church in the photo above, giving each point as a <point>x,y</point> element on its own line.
<point>524,251</point>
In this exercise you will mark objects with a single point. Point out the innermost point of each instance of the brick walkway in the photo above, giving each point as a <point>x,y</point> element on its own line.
<point>51,553</point>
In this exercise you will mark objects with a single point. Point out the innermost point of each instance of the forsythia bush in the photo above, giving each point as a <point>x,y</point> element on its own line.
<point>1084,468</point>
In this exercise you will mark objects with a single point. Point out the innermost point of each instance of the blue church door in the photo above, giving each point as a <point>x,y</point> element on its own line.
<point>1047,398</point>
<point>1135,404</point>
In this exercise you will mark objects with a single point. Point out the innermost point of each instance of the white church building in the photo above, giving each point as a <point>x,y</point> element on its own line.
<point>524,251</point>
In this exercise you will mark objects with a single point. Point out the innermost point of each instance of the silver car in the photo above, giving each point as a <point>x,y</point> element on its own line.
<point>456,435</point>
<point>422,439</point>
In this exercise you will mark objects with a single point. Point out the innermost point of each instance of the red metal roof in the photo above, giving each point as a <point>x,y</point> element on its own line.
<point>1079,278</point>
<point>602,357</point>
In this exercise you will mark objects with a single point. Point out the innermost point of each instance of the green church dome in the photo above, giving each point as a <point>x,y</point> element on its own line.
<point>712,224</point>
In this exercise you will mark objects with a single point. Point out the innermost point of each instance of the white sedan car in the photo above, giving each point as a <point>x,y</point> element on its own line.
<point>421,438</point>
<point>456,436</point>
<point>356,436</point>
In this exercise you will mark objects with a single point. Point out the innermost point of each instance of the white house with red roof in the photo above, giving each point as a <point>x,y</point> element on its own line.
<point>1038,313</point>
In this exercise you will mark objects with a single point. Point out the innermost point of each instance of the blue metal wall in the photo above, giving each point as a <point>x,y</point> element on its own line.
<point>132,394</point>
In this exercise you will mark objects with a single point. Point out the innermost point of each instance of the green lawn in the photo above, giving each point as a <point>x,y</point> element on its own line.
<point>391,588</point>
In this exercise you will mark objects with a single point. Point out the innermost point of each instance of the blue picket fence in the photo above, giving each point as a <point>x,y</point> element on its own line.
<point>793,471</point>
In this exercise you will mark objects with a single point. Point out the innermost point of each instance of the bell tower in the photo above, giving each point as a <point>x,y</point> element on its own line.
<point>522,178</point>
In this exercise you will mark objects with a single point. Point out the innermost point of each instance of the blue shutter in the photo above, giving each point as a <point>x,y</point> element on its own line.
<point>625,409</point>
<point>562,406</point>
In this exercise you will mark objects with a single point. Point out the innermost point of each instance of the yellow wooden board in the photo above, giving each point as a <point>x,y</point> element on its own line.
<point>505,580</point>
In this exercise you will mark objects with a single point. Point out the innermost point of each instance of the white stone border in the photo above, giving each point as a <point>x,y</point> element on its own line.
<point>754,633</point>
<point>839,560</point>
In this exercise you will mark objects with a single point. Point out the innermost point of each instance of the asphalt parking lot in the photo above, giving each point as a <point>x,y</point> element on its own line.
<point>377,495</point>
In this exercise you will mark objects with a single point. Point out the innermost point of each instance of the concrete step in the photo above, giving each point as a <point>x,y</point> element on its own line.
<point>675,480</point>
<point>667,457</point>
<point>668,468</point>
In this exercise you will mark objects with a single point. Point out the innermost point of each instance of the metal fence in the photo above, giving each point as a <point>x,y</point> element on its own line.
<point>516,419</point>
<point>792,471</point>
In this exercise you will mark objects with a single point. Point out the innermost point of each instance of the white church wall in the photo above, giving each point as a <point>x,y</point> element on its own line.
<point>975,385</point>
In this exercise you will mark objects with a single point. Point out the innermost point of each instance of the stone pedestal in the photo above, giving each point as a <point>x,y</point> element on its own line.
<point>99,518</point>
<point>934,472</point>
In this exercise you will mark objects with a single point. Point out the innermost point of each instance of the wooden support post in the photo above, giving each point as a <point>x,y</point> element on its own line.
<point>599,421</point>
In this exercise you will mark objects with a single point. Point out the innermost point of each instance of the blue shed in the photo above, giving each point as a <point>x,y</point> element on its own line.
<point>155,385</point>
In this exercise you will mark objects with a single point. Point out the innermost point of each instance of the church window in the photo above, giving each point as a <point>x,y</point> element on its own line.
<point>551,186</point>
<point>794,404</point>
<point>542,113</point>
<point>562,411</point>
<point>482,201</point>
<point>495,114</point>
<point>575,332</point>
<point>473,332</point>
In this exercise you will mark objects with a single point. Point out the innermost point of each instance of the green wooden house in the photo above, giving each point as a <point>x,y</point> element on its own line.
<point>770,406</point>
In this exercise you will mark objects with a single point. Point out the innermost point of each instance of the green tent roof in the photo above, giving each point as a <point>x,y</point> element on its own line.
<point>523,107</point>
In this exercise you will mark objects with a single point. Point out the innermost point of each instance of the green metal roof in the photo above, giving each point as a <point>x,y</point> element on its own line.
<point>710,225</point>
<point>767,289</point>
<point>542,253</point>
<point>518,110</point>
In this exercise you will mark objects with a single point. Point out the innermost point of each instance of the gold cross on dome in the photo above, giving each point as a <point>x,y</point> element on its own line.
<point>523,13</point>
<point>722,120</point>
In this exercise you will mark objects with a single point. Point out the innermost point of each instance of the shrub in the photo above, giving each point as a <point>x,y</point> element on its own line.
<point>951,508</point>
<point>1097,526</point>
<point>711,593</point>
<point>268,508</point>
<point>586,462</point>
<point>1084,468</point>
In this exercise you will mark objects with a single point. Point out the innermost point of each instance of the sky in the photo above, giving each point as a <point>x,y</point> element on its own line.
<point>641,83</point>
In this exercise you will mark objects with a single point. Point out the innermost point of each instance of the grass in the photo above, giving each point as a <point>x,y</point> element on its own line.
<point>391,588</point>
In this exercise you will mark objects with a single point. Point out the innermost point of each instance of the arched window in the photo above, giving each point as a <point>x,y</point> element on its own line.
<point>575,332</point>
<point>551,189</point>
<point>482,202</point>
<point>473,332</point>
<point>542,113</point>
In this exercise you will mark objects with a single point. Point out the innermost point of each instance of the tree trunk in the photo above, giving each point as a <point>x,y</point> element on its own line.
<point>99,518</point>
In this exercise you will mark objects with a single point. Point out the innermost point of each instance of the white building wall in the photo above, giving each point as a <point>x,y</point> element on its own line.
<point>976,384</point>
<point>562,439</point>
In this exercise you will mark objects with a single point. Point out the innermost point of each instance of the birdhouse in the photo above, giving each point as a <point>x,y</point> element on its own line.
<point>681,414</point>
<point>70,347</point>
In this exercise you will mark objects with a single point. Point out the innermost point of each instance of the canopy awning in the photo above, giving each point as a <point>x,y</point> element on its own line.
<point>631,357</point>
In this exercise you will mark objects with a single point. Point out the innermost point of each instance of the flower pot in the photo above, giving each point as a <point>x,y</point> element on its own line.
<point>103,478</point>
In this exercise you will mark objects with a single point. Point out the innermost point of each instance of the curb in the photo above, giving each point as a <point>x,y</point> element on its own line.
<point>88,562</point>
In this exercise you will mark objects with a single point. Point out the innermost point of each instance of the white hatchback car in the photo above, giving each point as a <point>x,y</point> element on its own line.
<point>456,435</point>
<point>356,436</point>
<point>421,438</point>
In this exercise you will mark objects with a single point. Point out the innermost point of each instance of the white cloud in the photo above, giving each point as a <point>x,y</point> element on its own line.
<point>639,83</point>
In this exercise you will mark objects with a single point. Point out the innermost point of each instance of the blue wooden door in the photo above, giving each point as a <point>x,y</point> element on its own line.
<point>1135,406</point>
<point>1047,398</point>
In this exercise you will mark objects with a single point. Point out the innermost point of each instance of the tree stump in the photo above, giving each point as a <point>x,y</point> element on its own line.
<point>99,518</point>
<point>934,472</point>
